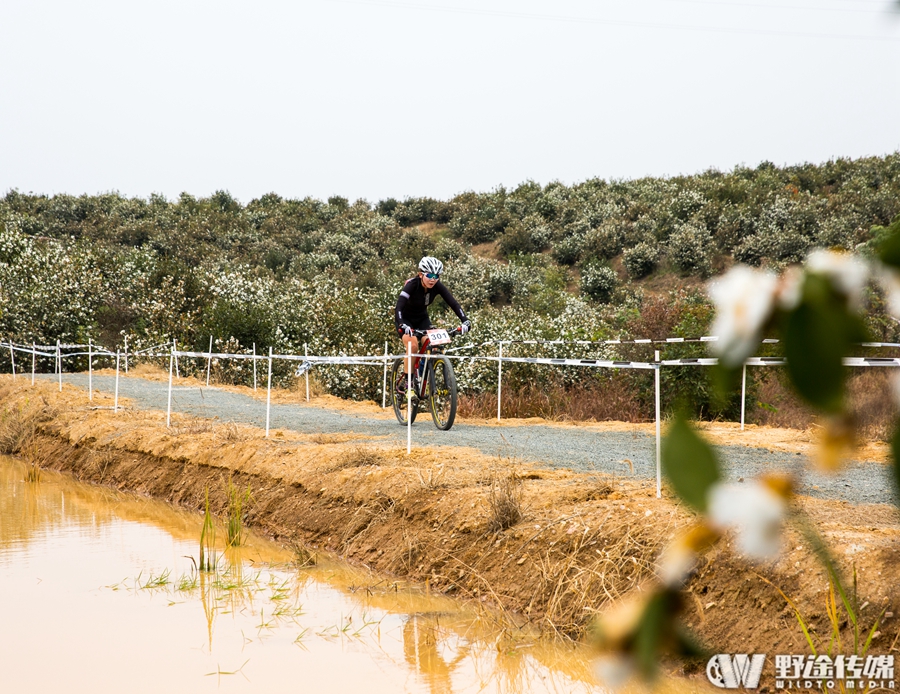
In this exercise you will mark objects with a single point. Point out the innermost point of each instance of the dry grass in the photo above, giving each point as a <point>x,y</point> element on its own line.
<point>611,400</point>
<point>869,393</point>
<point>432,477</point>
<point>504,502</point>
<point>20,423</point>
<point>15,430</point>
<point>359,456</point>
<point>234,433</point>
<point>590,568</point>
<point>101,460</point>
<point>316,386</point>
<point>193,427</point>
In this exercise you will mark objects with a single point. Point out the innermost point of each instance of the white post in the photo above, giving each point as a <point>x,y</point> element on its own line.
<point>90,371</point>
<point>269,393</point>
<point>306,354</point>
<point>384,378</point>
<point>59,364</point>
<point>116,403</point>
<point>658,438</point>
<point>33,360</point>
<point>743,394</point>
<point>126,354</point>
<point>171,365</point>
<point>499,377</point>
<point>174,350</point>
<point>209,361</point>
<point>254,367</point>
<point>12,359</point>
<point>409,389</point>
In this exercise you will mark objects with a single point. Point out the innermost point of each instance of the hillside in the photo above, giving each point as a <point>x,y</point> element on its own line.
<point>591,261</point>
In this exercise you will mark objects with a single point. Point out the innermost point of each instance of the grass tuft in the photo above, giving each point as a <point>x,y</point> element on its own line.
<point>505,502</point>
<point>237,503</point>
<point>208,559</point>
<point>304,557</point>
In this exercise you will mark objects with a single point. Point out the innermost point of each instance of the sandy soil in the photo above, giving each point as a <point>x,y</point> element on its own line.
<point>551,547</point>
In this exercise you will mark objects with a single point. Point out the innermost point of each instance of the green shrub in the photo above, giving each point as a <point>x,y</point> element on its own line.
<point>598,281</point>
<point>641,260</point>
<point>604,242</point>
<point>528,235</point>
<point>689,249</point>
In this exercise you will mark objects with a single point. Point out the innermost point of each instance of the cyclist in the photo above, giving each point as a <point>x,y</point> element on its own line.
<point>411,313</point>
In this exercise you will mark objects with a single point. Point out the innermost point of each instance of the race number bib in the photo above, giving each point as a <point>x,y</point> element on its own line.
<point>438,336</point>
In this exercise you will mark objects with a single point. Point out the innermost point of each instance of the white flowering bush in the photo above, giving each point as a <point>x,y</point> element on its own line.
<point>290,272</point>
<point>598,281</point>
<point>689,250</point>
<point>604,242</point>
<point>641,260</point>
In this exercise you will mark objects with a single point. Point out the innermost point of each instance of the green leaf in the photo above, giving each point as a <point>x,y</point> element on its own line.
<point>889,246</point>
<point>690,463</point>
<point>651,631</point>
<point>817,335</point>
<point>659,633</point>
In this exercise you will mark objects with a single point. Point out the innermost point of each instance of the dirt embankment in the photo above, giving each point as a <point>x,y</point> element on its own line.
<point>546,546</point>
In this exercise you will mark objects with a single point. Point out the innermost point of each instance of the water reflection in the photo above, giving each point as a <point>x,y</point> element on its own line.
<point>101,591</point>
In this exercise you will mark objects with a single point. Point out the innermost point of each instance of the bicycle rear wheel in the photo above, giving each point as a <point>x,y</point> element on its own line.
<point>398,400</point>
<point>442,392</point>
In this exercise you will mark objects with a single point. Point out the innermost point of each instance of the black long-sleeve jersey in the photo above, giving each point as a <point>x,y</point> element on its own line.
<point>414,300</point>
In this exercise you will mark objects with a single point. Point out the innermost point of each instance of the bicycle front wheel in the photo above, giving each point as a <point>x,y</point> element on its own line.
<point>398,400</point>
<point>442,392</point>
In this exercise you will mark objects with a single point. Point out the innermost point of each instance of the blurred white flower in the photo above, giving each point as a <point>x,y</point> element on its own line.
<point>680,556</point>
<point>847,273</point>
<point>790,288</point>
<point>754,511</point>
<point>743,298</point>
<point>614,670</point>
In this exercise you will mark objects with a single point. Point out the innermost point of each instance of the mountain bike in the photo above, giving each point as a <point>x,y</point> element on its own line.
<point>432,380</point>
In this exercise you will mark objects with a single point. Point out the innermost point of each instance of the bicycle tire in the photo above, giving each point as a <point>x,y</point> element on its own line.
<point>398,401</point>
<point>442,397</point>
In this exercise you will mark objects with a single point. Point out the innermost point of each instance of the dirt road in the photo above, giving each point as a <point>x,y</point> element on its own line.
<point>630,453</point>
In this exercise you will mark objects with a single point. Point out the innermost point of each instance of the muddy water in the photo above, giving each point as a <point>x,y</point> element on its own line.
<point>98,593</point>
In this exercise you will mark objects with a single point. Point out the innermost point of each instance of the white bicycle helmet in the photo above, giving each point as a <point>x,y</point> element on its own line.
<point>432,265</point>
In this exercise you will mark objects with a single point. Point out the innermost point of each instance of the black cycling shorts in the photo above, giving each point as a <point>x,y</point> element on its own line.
<point>421,324</point>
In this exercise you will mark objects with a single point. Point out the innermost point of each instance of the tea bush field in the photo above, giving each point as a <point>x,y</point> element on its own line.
<point>590,261</point>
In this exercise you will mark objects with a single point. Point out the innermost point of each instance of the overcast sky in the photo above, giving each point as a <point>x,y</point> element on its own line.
<point>378,98</point>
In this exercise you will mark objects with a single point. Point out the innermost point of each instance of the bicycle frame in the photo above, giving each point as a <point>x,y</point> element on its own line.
<point>425,348</point>
<point>436,385</point>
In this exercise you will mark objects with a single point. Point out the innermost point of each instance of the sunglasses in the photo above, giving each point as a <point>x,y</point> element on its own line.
<point>431,276</point>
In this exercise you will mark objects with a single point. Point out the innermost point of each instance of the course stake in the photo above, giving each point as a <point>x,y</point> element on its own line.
<point>116,401</point>
<point>658,438</point>
<point>90,371</point>
<point>409,392</point>
<point>306,356</point>
<point>269,393</point>
<point>384,378</point>
<point>169,400</point>
<point>209,361</point>
<point>499,377</point>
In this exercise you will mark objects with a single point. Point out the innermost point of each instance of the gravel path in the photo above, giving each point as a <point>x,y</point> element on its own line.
<point>859,482</point>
